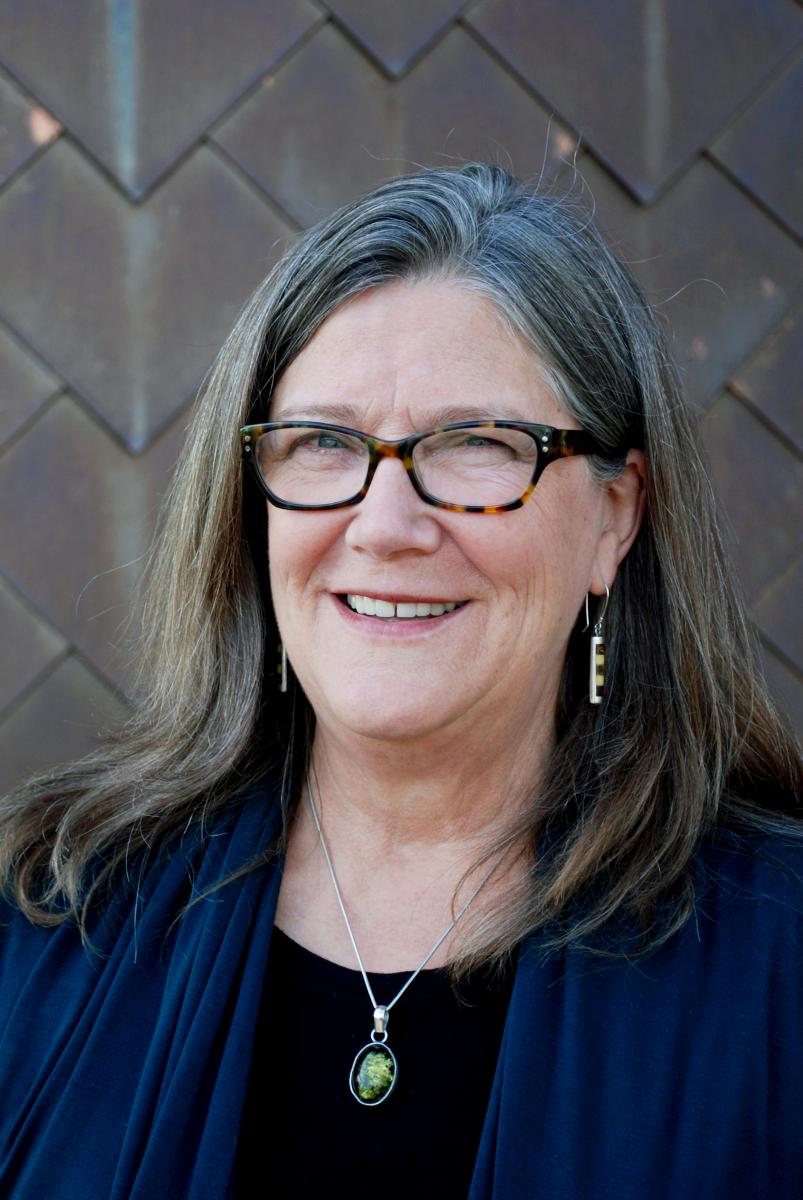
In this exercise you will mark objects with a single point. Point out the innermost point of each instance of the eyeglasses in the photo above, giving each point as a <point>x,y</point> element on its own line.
<point>469,466</point>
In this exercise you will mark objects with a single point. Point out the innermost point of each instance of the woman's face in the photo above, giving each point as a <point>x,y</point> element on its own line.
<point>398,359</point>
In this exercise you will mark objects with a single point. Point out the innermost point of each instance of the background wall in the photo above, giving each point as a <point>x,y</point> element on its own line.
<point>156,156</point>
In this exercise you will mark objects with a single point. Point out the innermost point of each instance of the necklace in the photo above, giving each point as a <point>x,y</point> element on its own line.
<point>375,1070</point>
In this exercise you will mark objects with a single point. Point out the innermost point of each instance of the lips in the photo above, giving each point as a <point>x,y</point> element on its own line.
<point>374,606</point>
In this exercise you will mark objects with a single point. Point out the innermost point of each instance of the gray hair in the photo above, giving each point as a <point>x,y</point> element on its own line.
<point>686,736</point>
<point>545,268</point>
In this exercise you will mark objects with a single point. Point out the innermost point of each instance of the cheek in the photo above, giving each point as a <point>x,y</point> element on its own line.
<point>513,551</point>
<point>543,562</point>
<point>289,559</point>
<point>278,546</point>
<point>297,544</point>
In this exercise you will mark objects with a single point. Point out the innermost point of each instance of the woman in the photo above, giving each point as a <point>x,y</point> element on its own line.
<point>502,896</point>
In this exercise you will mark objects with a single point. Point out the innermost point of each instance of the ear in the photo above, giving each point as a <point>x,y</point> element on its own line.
<point>624,510</point>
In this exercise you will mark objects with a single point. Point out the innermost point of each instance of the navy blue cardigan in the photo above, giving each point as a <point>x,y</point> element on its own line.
<point>677,1076</point>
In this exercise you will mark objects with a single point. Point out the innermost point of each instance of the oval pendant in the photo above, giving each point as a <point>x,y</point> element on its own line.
<point>373,1074</point>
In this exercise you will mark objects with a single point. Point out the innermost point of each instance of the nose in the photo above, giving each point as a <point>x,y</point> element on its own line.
<point>392,518</point>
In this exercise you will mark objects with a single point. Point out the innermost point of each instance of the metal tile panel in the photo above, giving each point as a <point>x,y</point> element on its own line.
<point>58,721</point>
<point>24,127</point>
<point>76,517</point>
<point>719,270</point>
<point>777,612</point>
<point>786,688</point>
<point>129,304</point>
<point>760,486</point>
<point>772,380</point>
<point>459,105</point>
<point>138,83</point>
<point>763,147</point>
<point>647,84</point>
<point>395,34</point>
<point>322,129</point>
<point>28,645</point>
<point>456,104</point>
<point>25,384</point>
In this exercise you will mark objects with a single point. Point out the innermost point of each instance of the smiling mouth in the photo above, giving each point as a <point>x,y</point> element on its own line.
<point>371,606</point>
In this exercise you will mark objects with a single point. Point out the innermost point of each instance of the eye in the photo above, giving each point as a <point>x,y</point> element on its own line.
<point>312,441</point>
<point>473,443</point>
<point>325,441</point>
<point>476,439</point>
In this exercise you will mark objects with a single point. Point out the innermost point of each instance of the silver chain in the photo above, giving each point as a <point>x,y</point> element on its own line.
<point>438,944</point>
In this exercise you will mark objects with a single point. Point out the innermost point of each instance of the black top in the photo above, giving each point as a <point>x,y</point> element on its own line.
<point>422,1140</point>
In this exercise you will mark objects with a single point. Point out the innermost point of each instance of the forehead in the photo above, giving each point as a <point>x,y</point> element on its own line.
<point>430,351</point>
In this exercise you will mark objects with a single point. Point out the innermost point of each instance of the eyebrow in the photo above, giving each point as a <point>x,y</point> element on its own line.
<point>344,413</point>
<point>340,413</point>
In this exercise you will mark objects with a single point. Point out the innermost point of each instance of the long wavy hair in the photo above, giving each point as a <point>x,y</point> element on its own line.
<point>686,739</point>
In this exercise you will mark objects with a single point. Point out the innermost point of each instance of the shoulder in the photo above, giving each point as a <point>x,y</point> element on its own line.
<point>746,927</point>
<point>739,951</point>
<point>744,924</point>
<point>154,887</point>
<point>758,866</point>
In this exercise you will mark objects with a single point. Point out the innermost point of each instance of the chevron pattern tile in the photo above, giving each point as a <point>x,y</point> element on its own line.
<point>155,159</point>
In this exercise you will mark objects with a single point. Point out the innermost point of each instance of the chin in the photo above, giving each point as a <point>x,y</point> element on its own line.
<point>384,712</point>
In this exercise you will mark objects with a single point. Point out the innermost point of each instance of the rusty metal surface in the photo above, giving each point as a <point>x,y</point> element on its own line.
<point>330,126</point>
<point>24,127</point>
<point>762,147</point>
<point>58,720</point>
<point>155,158</point>
<point>138,84</point>
<point>721,272</point>
<point>76,515</point>
<point>646,84</point>
<point>771,379</point>
<point>127,303</point>
<point>395,34</point>
<point>760,485</point>
<point>25,384</point>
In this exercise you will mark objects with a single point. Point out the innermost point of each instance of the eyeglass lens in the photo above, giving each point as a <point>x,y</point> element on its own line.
<point>473,466</point>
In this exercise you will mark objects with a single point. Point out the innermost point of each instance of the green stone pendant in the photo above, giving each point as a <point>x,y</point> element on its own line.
<point>373,1075</point>
<point>374,1070</point>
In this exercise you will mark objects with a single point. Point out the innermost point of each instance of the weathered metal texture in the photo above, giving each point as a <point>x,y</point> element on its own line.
<point>647,85</point>
<point>155,158</point>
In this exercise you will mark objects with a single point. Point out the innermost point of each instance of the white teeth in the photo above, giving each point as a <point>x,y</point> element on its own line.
<point>370,607</point>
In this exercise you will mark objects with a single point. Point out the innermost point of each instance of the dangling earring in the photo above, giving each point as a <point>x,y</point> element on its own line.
<point>282,669</point>
<point>596,678</point>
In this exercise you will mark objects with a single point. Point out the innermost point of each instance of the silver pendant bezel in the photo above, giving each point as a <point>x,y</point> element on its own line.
<point>373,1045</point>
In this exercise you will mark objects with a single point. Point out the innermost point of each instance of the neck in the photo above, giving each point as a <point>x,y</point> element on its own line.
<point>405,823</point>
<point>427,793</point>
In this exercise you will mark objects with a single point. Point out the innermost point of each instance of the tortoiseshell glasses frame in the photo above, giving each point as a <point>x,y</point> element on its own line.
<point>551,444</point>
